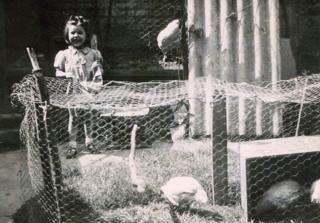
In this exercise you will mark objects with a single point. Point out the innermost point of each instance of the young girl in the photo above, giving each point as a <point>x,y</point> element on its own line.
<point>83,65</point>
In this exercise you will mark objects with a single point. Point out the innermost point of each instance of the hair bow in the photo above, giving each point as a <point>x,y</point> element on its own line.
<point>77,20</point>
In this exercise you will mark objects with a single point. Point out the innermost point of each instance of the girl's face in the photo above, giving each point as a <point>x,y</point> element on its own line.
<point>76,35</point>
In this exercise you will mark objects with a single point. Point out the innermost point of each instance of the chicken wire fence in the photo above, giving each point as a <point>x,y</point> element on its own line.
<point>270,148</point>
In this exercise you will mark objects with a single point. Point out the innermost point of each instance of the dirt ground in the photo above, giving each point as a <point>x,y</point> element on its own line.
<point>10,190</point>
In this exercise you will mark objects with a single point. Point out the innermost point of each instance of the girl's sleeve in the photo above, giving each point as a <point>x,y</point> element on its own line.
<point>59,61</point>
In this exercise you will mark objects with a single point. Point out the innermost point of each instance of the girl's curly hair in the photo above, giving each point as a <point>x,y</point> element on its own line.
<point>78,20</point>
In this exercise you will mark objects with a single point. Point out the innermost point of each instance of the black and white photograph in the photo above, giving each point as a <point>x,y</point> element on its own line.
<point>160,111</point>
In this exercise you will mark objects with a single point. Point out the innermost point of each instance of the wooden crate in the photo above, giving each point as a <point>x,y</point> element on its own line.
<point>265,162</point>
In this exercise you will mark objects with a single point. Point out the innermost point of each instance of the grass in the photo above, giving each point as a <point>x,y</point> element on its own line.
<point>106,187</point>
<point>100,190</point>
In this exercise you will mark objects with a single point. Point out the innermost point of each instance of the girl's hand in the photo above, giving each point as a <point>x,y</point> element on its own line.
<point>60,73</point>
<point>95,65</point>
<point>68,75</point>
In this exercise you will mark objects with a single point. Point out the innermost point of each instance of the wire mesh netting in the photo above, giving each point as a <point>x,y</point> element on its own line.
<point>265,162</point>
<point>128,33</point>
<point>131,34</point>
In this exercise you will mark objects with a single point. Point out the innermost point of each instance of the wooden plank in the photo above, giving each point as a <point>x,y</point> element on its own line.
<point>243,188</point>
<point>130,113</point>
<point>276,147</point>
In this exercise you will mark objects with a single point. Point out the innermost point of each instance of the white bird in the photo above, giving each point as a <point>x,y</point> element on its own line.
<point>184,191</point>
<point>181,193</point>
<point>169,37</point>
<point>315,192</point>
<point>136,181</point>
<point>185,194</point>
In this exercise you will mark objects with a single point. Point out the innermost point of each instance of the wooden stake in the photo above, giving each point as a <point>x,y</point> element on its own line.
<point>195,28</point>
<point>94,42</point>
<point>48,151</point>
<point>36,70</point>
<point>275,56</point>
<point>227,57</point>
<point>3,36</point>
<point>184,40</point>
<point>220,153</point>
<point>211,57</point>
<point>245,58</point>
<point>33,59</point>
<point>262,58</point>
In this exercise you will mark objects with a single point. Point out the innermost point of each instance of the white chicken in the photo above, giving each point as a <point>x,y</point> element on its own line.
<point>184,191</point>
<point>185,194</point>
<point>181,193</point>
<point>169,38</point>
<point>315,192</point>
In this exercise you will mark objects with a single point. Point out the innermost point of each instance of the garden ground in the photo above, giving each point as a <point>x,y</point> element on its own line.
<point>10,162</point>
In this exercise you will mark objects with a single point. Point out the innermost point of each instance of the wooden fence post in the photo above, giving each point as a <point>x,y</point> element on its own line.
<point>220,152</point>
<point>3,47</point>
<point>195,28</point>
<point>211,55</point>
<point>49,154</point>
<point>275,56</point>
<point>245,59</point>
<point>184,40</point>
<point>227,56</point>
<point>259,68</point>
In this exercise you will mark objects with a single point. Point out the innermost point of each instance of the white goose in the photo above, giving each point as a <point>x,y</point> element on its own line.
<point>137,181</point>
